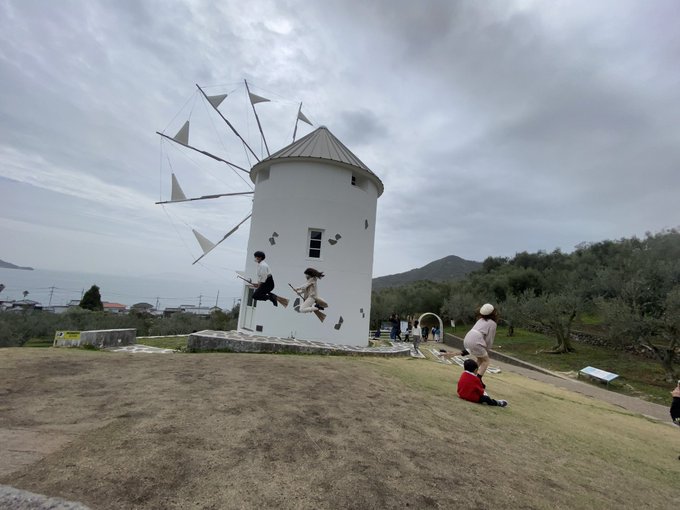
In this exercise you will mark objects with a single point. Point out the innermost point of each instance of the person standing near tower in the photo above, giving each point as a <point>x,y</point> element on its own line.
<point>265,282</point>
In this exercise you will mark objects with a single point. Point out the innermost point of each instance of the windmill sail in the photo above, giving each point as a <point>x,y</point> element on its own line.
<point>300,117</point>
<point>206,197</point>
<point>303,117</point>
<point>215,101</point>
<point>228,123</point>
<point>182,135</point>
<point>205,153</point>
<point>254,99</point>
<point>176,193</point>
<point>208,246</point>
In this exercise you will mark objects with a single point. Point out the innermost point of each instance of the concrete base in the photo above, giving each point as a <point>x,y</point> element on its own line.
<point>237,341</point>
<point>100,338</point>
<point>18,499</point>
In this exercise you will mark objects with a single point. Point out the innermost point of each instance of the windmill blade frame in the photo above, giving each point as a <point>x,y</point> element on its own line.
<point>214,245</point>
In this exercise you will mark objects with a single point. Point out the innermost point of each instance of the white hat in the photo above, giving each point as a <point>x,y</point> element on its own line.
<point>486,309</point>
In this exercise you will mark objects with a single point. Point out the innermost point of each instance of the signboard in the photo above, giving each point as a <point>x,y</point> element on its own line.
<point>67,335</point>
<point>599,374</point>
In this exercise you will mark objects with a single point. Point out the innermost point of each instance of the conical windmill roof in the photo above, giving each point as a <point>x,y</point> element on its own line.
<point>319,145</point>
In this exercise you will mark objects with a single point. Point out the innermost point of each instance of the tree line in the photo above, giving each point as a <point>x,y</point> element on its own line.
<point>627,291</point>
<point>17,328</point>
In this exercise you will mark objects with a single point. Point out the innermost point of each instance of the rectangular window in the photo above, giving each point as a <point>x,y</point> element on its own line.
<point>263,175</point>
<point>314,243</point>
<point>359,182</point>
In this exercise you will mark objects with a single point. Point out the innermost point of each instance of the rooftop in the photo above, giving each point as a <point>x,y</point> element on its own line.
<point>320,144</point>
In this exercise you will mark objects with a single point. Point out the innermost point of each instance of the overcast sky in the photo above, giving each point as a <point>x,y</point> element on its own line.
<point>496,126</point>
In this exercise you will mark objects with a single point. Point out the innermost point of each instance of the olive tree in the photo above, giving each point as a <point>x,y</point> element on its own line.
<point>551,313</point>
<point>655,329</point>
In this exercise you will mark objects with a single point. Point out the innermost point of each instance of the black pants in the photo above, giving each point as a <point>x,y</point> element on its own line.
<point>675,410</point>
<point>486,399</point>
<point>264,291</point>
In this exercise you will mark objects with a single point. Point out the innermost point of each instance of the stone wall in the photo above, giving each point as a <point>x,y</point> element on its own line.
<point>100,338</point>
<point>238,341</point>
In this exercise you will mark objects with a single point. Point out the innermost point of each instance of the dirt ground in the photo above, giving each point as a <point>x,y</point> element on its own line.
<point>220,431</point>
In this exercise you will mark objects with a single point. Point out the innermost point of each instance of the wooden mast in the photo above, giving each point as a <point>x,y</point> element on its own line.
<point>259,126</point>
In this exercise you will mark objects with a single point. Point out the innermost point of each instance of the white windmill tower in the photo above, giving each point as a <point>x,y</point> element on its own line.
<point>314,205</point>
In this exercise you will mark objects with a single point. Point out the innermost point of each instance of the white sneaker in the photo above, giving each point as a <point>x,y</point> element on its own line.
<point>502,403</point>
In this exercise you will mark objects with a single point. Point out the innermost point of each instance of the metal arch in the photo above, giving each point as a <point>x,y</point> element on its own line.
<point>441,324</point>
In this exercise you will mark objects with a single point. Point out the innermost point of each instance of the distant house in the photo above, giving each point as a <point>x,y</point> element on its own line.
<point>142,308</point>
<point>201,311</point>
<point>73,303</point>
<point>114,307</point>
<point>56,308</point>
<point>21,305</point>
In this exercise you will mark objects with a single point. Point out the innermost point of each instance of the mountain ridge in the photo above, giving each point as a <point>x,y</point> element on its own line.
<point>451,267</point>
<point>9,265</point>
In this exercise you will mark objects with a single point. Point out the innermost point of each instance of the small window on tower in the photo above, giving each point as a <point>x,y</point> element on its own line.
<point>359,181</point>
<point>263,175</point>
<point>314,243</point>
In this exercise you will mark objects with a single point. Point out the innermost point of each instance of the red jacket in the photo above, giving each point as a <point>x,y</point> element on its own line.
<point>470,387</point>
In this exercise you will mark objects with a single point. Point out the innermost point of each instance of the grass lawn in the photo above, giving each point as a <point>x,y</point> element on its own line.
<point>317,432</point>
<point>39,342</point>
<point>639,377</point>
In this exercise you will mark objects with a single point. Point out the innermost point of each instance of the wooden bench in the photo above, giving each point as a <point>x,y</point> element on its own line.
<point>596,373</point>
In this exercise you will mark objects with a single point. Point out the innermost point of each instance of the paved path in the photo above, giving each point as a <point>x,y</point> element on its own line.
<point>632,404</point>
<point>140,348</point>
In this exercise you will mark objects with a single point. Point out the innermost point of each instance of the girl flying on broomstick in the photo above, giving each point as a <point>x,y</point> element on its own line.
<point>312,302</point>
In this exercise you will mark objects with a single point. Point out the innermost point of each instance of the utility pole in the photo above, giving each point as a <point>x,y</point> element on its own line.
<point>217,298</point>
<point>51,291</point>
<point>199,300</point>
<point>157,302</point>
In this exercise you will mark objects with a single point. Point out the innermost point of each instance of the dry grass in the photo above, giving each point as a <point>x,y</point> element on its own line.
<point>267,431</point>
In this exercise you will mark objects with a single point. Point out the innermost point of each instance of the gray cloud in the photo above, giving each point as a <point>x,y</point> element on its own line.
<point>496,126</point>
<point>360,127</point>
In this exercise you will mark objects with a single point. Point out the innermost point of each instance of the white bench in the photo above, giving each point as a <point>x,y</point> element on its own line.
<point>596,373</point>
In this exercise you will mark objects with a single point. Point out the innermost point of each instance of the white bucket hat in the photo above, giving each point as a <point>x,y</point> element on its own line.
<point>486,309</point>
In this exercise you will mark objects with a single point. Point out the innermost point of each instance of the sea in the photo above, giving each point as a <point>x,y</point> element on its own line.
<point>52,288</point>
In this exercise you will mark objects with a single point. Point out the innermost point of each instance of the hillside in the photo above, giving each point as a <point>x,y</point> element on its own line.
<point>7,265</point>
<point>448,268</point>
<point>317,432</point>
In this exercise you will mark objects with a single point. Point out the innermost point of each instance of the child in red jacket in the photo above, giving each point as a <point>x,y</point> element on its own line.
<point>470,386</point>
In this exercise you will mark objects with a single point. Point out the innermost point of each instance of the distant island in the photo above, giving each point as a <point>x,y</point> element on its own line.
<point>7,265</point>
